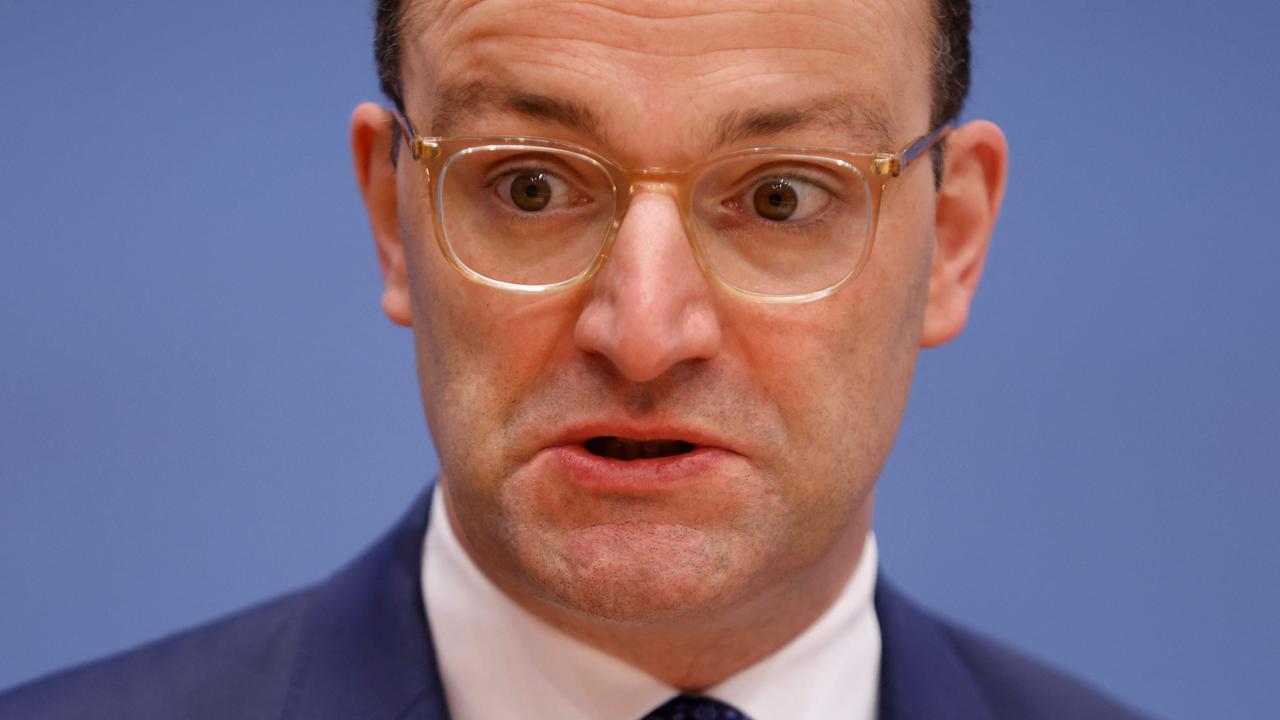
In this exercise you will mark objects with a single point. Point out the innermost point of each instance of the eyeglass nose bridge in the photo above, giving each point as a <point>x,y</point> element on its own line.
<point>674,184</point>
<point>658,181</point>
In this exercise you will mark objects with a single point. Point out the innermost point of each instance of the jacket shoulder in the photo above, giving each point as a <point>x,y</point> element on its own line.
<point>933,668</point>
<point>1016,685</point>
<point>238,666</point>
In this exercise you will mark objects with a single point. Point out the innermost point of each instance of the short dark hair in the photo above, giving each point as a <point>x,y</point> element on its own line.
<point>950,68</point>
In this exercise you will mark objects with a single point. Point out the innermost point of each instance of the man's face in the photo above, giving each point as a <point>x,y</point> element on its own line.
<point>791,409</point>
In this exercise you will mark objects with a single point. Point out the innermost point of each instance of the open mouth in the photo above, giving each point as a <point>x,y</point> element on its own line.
<point>618,448</point>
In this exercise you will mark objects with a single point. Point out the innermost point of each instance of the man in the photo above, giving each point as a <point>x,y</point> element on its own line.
<point>668,267</point>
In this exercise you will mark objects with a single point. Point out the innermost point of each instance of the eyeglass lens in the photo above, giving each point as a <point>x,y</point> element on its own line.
<point>773,224</point>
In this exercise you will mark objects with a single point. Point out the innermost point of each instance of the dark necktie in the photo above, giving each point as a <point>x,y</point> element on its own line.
<point>692,707</point>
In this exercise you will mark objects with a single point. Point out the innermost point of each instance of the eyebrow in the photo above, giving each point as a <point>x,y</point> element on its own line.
<point>858,122</point>
<point>478,98</point>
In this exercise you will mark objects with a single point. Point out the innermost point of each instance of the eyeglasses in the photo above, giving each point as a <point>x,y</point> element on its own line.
<point>769,224</point>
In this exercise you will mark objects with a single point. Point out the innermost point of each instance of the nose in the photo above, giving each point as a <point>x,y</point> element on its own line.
<point>650,307</point>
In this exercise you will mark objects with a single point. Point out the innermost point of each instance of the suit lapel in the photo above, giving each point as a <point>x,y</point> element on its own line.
<point>366,650</point>
<point>922,677</point>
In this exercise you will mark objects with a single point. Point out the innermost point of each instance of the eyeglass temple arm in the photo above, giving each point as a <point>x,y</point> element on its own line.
<point>408,132</point>
<point>925,144</point>
<point>895,165</point>
<point>406,127</point>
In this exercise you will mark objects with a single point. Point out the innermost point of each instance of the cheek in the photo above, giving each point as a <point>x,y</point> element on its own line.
<point>824,386</point>
<point>829,372</point>
<point>839,372</point>
<point>479,352</point>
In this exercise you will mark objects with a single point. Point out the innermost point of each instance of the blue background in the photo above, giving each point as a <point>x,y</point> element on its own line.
<point>202,405</point>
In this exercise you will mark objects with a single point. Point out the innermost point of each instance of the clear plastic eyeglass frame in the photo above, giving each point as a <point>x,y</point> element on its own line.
<point>877,170</point>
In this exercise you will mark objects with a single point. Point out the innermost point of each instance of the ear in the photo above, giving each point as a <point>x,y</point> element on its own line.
<point>371,139</point>
<point>977,161</point>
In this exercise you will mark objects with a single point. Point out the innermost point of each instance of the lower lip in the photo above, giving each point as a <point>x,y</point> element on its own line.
<point>605,474</point>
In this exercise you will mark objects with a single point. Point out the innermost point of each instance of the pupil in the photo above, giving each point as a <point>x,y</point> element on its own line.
<point>775,200</point>
<point>530,192</point>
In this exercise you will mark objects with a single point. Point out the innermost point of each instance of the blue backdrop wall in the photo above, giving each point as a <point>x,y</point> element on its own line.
<point>201,404</point>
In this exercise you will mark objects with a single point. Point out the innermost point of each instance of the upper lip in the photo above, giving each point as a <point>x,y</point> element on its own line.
<point>580,432</point>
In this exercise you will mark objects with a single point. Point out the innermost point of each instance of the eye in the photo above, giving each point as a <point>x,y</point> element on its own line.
<point>530,191</point>
<point>534,190</point>
<point>775,200</point>
<point>781,199</point>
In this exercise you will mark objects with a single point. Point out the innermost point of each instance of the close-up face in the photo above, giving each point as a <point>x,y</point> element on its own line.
<point>647,444</point>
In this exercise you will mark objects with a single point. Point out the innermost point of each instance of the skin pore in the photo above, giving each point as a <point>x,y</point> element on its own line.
<point>696,581</point>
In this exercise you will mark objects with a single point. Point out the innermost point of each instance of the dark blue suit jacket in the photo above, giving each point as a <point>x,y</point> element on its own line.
<point>357,647</point>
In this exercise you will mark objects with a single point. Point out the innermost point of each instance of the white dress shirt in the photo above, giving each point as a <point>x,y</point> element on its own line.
<point>498,661</point>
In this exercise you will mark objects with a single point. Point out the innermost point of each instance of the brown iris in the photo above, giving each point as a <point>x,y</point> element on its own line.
<point>530,191</point>
<point>775,200</point>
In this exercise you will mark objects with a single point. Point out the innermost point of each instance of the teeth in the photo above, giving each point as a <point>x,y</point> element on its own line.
<point>625,449</point>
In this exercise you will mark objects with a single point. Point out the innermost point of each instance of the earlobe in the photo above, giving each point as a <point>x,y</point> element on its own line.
<point>973,185</point>
<point>371,139</point>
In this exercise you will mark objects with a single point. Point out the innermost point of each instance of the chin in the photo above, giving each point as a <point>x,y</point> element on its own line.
<point>640,572</point>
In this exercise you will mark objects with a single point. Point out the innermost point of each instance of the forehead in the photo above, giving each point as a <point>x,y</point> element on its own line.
<point>671,78</point>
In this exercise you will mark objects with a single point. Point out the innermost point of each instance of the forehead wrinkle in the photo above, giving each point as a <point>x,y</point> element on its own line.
<point>631,29</point>
<point>573,50</point>
<point>838,114</point>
